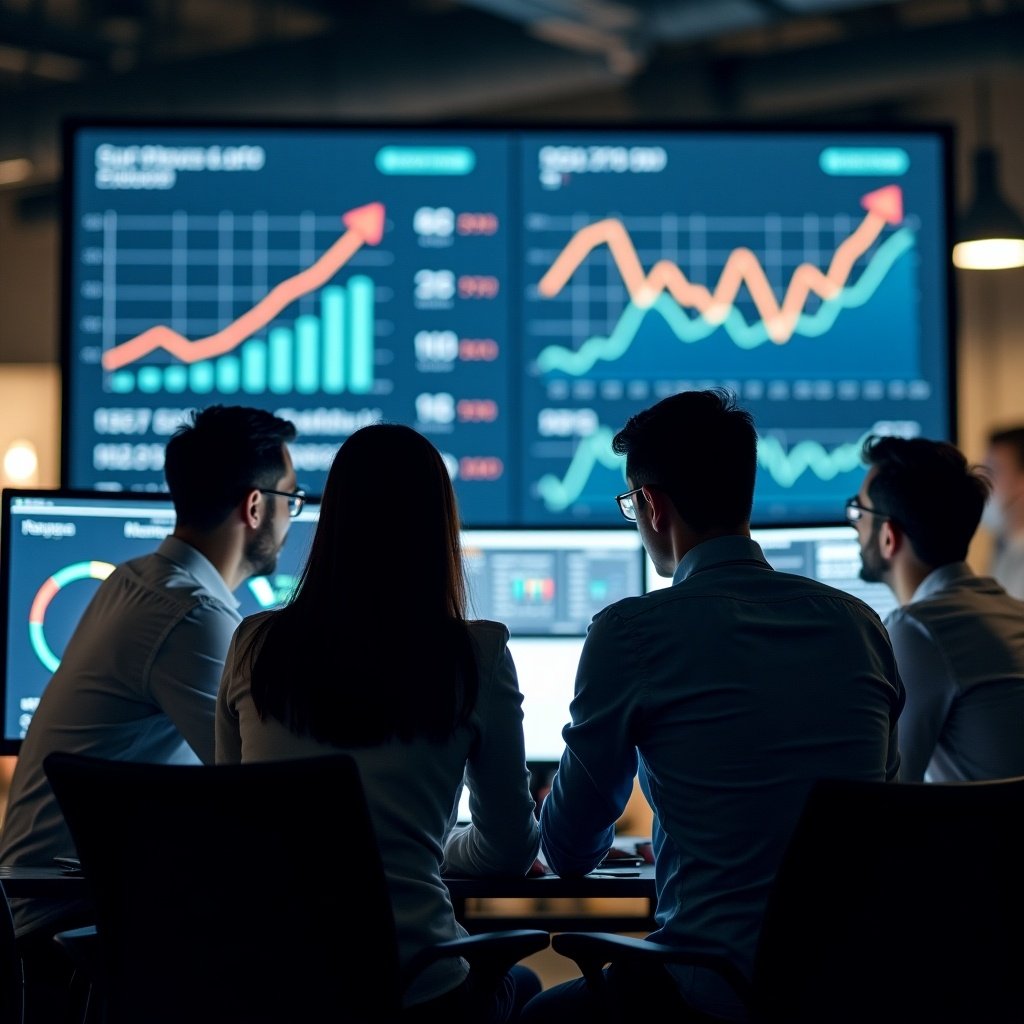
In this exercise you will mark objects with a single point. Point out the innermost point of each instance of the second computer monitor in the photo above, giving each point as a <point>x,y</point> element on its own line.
<point>830,554</point>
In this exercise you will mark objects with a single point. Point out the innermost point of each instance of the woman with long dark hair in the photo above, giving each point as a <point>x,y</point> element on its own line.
<point>373,655</point>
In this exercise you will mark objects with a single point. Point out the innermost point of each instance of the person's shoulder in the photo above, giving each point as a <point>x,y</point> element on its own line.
<point>628,608</point>
<point>488,632</point>
<point>254,621</point>
<point>845,603</point>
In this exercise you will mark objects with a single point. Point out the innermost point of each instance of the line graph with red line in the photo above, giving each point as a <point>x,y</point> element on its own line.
<point>827,307</point>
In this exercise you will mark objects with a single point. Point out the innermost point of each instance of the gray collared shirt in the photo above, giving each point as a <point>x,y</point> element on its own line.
<point>731,692</point>
<point>959,644</point>
<point>137,682</point>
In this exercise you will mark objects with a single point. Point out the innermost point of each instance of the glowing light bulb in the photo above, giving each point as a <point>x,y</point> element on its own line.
<point>21,461</point>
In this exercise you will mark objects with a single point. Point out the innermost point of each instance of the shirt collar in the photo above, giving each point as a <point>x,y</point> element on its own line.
<point>939,579</point>
<point>193,561</point>
<point>719,551</point>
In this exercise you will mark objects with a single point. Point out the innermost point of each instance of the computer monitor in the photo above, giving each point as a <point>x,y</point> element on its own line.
<point>56,547</point>
<point>829,553</point>
<point>546,586</point>
<point>513,292</point>
<point>550,582</point>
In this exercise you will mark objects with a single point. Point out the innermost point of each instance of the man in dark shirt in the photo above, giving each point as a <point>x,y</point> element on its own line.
<point>729,693</point>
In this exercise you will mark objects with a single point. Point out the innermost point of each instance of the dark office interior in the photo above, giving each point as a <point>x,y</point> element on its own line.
<point>661,64</point>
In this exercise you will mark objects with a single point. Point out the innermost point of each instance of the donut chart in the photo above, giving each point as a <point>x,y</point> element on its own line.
<point>89,570</point>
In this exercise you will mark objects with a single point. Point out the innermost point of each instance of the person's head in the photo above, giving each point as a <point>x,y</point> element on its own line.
<point>1004,514</point>
<point>388,515</point>
<point>223,456</point>
<point>697,450</point>
<point>920,501</point>
<point>373,643</point>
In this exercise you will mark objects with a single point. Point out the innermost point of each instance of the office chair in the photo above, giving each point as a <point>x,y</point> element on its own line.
<point>893,903</point>
<point>225,893</point>
<point>12,979</point>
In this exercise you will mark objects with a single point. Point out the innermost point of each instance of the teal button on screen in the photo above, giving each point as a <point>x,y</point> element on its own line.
<point>425,160</point>
<point>852,160</point>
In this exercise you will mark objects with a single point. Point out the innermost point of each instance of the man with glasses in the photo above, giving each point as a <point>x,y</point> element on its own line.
<point>728,693</point>
<point>958,637</point>
<point>139,677</point>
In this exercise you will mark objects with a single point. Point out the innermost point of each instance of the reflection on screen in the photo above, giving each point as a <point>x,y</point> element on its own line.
<point>830,554</point>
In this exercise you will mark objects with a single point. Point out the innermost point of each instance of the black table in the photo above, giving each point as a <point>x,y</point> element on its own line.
<point>536,894</point>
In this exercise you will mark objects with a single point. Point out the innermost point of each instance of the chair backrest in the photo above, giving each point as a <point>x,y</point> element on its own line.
<point>898,902</point>
<point>223,892</point>
<point>12,982</point>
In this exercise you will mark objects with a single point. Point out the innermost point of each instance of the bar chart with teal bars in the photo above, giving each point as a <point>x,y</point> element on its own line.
<point>329,352</point>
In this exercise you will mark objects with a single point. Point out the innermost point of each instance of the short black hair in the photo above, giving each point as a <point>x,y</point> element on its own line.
<point>218,454</point>
<point>700,448</point>
<point>1012,438</point>
<point>929,489</point>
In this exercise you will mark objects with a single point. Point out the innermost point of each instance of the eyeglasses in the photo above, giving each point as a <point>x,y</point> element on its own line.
<point>296,499</point>
<point>855,511</point>
<point>627,506</point>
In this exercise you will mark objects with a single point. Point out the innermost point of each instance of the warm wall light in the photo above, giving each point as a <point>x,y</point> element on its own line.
<point>990,235</point>
<point>13,171</point>
<point>30,415</point>
<point>21,463</point>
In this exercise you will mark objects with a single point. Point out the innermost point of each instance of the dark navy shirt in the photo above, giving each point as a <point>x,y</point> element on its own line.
<point>731,692</point>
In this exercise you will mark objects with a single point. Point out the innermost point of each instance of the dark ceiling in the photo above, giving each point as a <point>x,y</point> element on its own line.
<point>413,59</point>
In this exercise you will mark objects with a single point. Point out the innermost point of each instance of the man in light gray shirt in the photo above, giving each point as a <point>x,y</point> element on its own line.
<point>958,637</point>
<point>138,680</point>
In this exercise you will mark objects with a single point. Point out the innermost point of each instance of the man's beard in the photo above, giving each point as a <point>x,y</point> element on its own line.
<point>873,564</point>
<point>262,550</point>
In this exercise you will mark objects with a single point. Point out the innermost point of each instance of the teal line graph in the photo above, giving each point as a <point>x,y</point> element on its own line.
<point>745,335</point>
<point>558,493</point>
<point>786,467</point>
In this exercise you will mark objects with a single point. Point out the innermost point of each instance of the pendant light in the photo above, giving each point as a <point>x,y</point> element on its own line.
<point>990,234</point>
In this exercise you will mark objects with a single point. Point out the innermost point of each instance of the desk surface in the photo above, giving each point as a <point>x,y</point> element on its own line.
<point>622,882</point>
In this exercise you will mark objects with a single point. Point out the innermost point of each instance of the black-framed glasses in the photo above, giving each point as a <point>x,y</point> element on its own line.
<point>296,499</point>
<point>855,511</point>
<point>627,506</point>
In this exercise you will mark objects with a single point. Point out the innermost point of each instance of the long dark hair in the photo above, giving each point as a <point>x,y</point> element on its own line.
<point>374,644</point>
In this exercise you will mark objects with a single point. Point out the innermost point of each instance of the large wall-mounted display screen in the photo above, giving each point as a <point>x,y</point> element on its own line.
<point>513,293</point>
